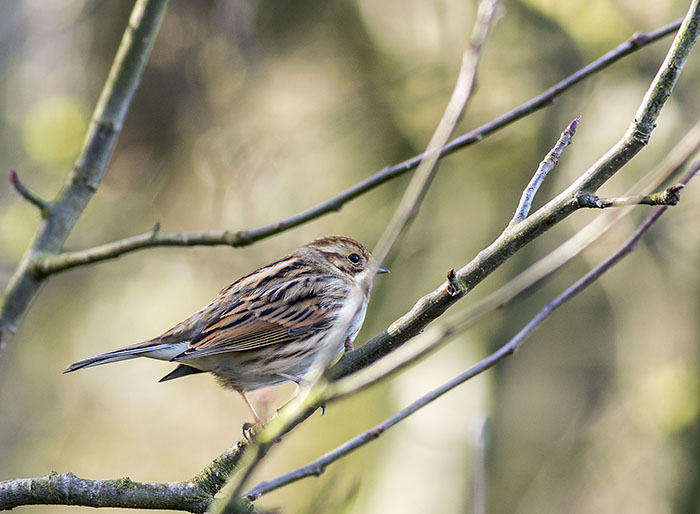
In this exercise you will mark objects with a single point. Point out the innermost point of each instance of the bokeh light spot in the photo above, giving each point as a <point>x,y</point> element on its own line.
<point>54,129</point>
<point>670,397</point>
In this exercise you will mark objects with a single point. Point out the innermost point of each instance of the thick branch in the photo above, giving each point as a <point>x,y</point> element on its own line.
<point>50,263</point>
<point>83,181</point>
<point>68,489</point>
<point>194,495</point>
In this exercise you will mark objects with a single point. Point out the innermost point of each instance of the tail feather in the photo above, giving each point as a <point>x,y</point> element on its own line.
<point>162,351</point>
<point>182,370</point>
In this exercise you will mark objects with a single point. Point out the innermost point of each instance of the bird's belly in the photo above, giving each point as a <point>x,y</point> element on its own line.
<point>265,366</point>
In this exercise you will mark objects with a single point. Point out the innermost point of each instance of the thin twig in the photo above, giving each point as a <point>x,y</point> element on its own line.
<point>669,196</point>
<point>45,207</point>
<point>318,466</point>
<point>628,247</point>
<point>548,163</point>
<point>51,263</point>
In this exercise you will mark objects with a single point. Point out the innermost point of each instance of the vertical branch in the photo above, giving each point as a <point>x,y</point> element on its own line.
<point>86,176</point>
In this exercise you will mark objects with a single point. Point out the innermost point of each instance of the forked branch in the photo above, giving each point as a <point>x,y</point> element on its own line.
<point>318,466</point>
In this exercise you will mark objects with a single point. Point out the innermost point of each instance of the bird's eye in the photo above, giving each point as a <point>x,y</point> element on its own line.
<point>354,258</point>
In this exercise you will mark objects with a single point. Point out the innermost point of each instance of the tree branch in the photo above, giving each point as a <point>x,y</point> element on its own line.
<point>548,163</point>
<point>193,495</point>
<point>671,166</point>
<point>669,196</point>
<point>318,466</point>
<point>83,181</point>
<point>48,263</point>
<point>45,207</point>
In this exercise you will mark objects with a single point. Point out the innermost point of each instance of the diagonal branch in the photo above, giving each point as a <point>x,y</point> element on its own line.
<point>85,178</point>
<point>671,166</point>
<point>49,263</point>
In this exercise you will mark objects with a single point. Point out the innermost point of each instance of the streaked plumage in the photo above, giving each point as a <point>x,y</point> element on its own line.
<point>269,326</point>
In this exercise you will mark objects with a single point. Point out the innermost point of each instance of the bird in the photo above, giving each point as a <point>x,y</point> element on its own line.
<point>269,326</point>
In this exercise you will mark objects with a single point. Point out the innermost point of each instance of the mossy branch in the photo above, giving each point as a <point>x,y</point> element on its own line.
<point>194,495</point>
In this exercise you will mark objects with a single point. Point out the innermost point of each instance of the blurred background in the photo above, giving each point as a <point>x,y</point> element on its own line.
<point>252,111</point>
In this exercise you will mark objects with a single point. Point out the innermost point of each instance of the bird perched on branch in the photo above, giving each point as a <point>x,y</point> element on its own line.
<point>272,325</point>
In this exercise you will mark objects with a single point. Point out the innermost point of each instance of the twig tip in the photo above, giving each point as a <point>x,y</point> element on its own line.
<point>574,124</point>
<point>673,194</point>
<point>676,187</point>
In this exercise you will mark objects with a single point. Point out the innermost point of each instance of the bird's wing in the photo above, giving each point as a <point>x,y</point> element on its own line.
<point>264,316</point>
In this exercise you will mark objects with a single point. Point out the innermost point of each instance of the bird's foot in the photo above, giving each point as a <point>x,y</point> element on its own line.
<point>348,345</point>
<point>250,430</point>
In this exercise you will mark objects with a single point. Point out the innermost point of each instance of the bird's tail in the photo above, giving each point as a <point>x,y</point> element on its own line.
<point>154,349</point>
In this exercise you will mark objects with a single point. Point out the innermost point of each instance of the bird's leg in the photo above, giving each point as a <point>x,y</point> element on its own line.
<point>292,378</point>
<point>348,345</point>
<point>298,381</point>
<point>248,426</point>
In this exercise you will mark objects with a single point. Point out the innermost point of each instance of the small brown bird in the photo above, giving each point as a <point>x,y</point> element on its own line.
<point>270,326</point>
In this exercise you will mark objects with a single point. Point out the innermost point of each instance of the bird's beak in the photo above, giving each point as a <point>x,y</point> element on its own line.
<point>382,269</point>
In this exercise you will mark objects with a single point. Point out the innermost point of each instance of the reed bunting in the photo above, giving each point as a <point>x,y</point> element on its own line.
<point>270,326</point>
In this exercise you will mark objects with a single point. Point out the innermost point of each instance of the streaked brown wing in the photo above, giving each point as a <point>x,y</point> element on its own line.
<point>277,315</point>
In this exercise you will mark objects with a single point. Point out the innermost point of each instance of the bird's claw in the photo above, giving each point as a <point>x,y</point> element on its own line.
<point>348,345</point>
<point>323,409</point>
<point>250,430</point>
